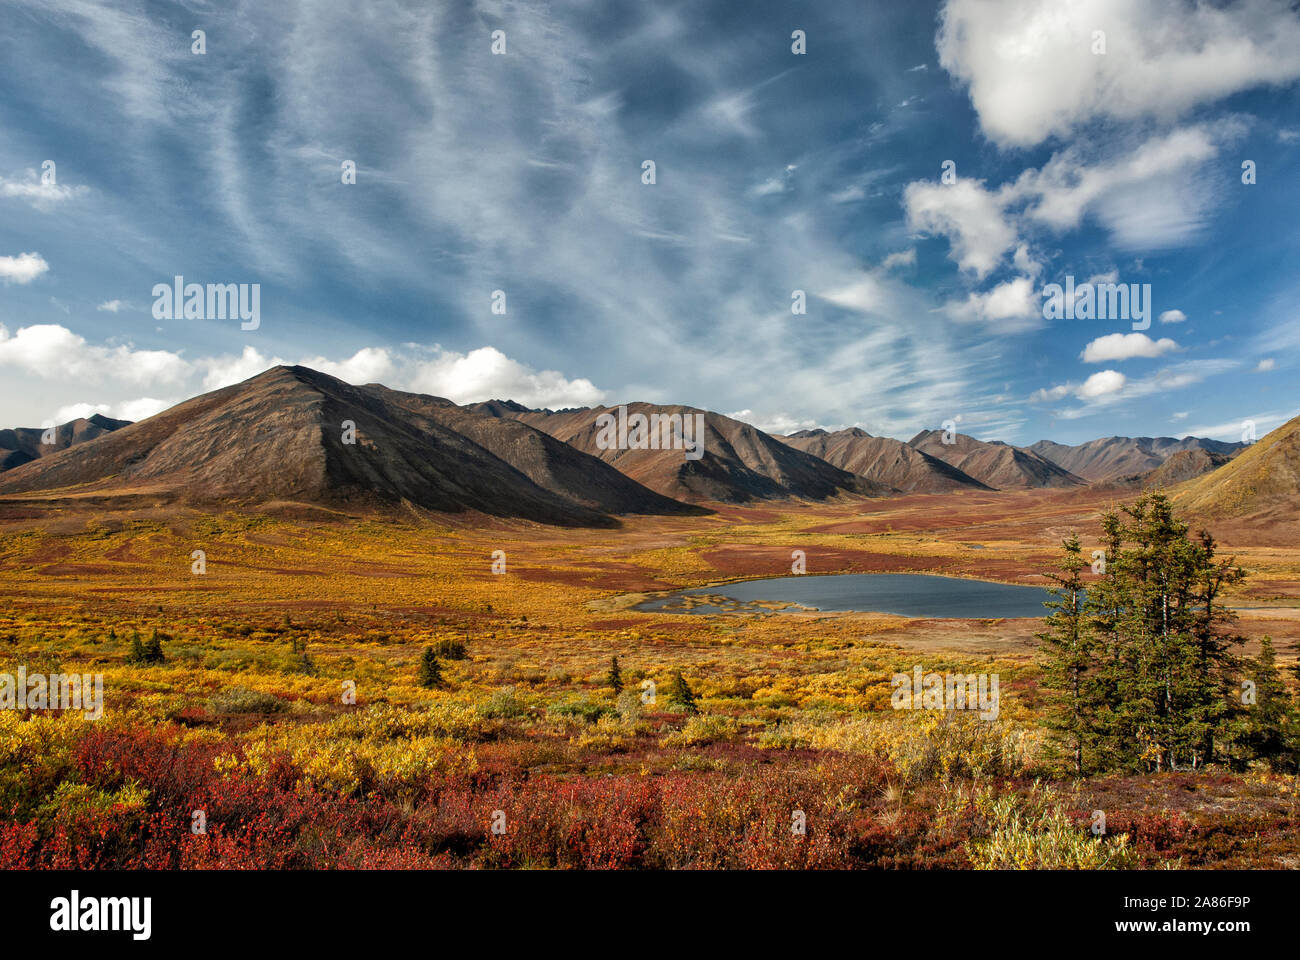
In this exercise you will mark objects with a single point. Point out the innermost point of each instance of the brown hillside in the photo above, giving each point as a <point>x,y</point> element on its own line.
<point>883,459</point>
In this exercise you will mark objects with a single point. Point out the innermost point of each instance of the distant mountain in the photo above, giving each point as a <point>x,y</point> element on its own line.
<point>739,463</point>
<point>883,459</point>
<point>1112,458</point>
<point>994,463</point>
<point>1262,482</point>
<point>23,444</point>
<point>1178,468</point>
<point>279,437</point>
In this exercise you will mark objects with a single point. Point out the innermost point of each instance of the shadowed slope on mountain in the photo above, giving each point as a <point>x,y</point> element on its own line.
<point>884,460</point>
<point>995,464</point>
<point>738,462</point>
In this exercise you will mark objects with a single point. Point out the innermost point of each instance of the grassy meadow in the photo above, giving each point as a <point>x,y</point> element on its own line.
<point>286,724</point>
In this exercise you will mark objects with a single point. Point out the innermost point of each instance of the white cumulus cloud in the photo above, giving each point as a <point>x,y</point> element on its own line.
<point>1032,74</point>
<point>23,268</point>
<point>1125,346</point>
<point>1101,383</point>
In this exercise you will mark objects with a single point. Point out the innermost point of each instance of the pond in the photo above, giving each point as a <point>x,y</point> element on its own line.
<point>904,594</point>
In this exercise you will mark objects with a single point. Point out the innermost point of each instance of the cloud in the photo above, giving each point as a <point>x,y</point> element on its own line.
<point>487,374</point>
<point>1125,346</point>
<point>1173,316</point>
<point>113,306</point>
<point>482,374</point>
<point>903,258</point>
<point>1011,307</point>
<point>53,351</point>
<point>1100,384</point>
<point>1108,387</point>
<point>1158,195</point>
<point>1265,365</point>
<point>23,268</point>
<point>40,195</point>
<point>1234,429</point>
<point>865,294</point>
<point>1059,392</point>
<point>777,424</point>
<point>968,215</point>
<point>139,409</point>
<point>1031,72</point>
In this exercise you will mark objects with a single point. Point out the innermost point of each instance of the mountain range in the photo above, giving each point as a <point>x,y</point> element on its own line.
<point>292,435</point>
<point>995,464</point>
<point>885,460</point>
<point>739,463</point>
<point>1111,458</point>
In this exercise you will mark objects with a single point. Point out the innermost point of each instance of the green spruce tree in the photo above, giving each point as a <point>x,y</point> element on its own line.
<point>153,651</point>
<point>1067,646</point>
<point>136,654</point>
<point>615,677</point>
<point>430,669</point>
<point>680,693</point>
<point>1266,730</point>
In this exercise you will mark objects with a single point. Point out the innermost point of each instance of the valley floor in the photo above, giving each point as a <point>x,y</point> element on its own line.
<point>287,708</point>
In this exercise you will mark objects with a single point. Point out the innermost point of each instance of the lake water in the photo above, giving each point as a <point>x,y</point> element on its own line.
<point>905,594</point>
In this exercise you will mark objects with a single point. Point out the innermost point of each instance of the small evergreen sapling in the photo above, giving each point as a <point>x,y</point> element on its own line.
<point>430,669</point>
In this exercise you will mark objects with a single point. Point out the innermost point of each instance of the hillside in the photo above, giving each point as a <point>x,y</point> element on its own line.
<point>884,460</point>
<point>995,464</point>
<point>279,437</point>
<point>1179,468</point>
<point>1262,482</point>
<point>739,463</point>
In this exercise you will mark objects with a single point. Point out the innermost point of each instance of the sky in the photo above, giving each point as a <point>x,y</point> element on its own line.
<point>916,175</point>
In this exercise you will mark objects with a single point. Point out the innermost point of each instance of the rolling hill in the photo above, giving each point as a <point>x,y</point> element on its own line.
<point>884,460</point>
<point>279,437</point>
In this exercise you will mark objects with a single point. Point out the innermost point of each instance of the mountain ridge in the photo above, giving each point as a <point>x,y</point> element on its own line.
<point>281,436</point>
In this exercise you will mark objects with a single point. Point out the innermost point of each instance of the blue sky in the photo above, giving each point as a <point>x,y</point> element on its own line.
<point>775,172</point>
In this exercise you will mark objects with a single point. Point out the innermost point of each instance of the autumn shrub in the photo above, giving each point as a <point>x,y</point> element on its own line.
<point>240,699</point>
<point>1035,832</point>
<point>702,729</point>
